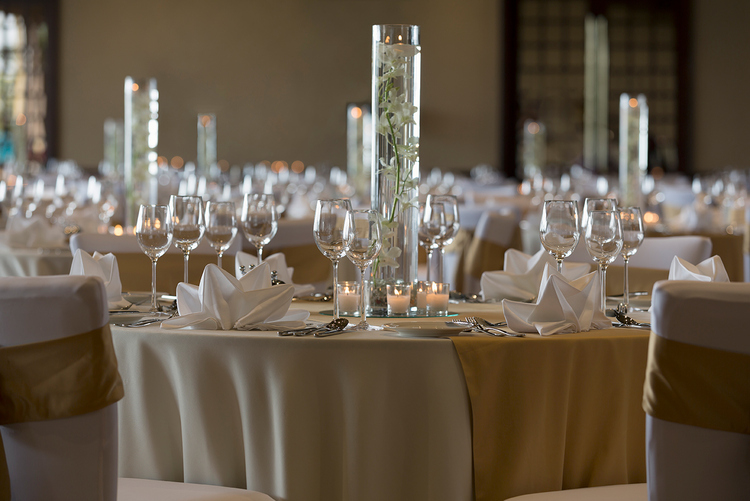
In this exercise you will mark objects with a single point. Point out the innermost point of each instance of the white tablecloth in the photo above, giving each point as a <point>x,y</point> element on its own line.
<point>361,416</point>
<point>16,262</point>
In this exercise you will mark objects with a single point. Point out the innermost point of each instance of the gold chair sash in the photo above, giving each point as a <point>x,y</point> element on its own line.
<point>56,379</point>
<point>697,386</point>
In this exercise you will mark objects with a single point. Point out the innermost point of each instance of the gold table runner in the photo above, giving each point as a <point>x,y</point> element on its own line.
<point>555,413</point>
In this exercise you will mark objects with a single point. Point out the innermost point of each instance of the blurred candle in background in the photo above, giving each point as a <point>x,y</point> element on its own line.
<point>207,158</point>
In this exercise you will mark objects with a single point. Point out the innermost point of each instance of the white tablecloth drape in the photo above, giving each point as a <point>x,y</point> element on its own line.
<point>363,416</point>
<point>15,262</point>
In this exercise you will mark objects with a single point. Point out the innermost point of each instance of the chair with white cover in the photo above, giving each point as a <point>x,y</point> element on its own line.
<point>495,233</point>
<point>697,395</point>
<point>656,252</point>
<point>135,266</point>
<point>59,386</point>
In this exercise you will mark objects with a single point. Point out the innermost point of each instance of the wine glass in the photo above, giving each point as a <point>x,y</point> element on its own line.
<point>154,232</point>
<point>596,204</point>
<point>632,238</point>
<point>188,225</point>
<point>431,226</point>
<point>328,230</point>
<point>221,226</point>
<point>452,224</point>
<point>362,245</point>
<point>260,221</point>
<point>559,230</point>
<point>603,242</point>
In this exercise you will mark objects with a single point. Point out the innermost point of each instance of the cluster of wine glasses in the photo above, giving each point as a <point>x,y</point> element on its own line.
<point>340,231</point>
<point>439,223</point>
<point>186,222</point>
<point>608,231</point>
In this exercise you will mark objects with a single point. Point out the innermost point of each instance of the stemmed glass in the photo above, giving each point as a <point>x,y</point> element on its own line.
<point>260,220</point>
<point>431,226</point>
<point>452,224</point>
<point>559,230</point>
<point>154,232</point>
<point>632,238</point>
<point>591,204</point>
<point>221,226</point>
<point>603,242</point>
<point>328,230</point>
<point>362,245</point>
<point>188,223</point>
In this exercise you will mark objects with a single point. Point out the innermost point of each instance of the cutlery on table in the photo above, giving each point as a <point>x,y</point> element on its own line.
<point>483,325</point>
<point>336,323</point>
<point>626,321</point>
<point>333,331</point>
<point>147,321</point>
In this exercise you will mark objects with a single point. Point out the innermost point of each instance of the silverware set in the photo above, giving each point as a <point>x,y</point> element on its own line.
<point>493,329</point>
<point>335,326</point>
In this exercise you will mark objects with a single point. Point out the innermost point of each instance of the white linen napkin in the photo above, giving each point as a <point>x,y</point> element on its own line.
<point>563,306</point>
<point>221,301</point>
<point>277,262</point>
<point>104,267</point>
<point>710,270</point>
<point>33,232</point>
<point>522,275</point>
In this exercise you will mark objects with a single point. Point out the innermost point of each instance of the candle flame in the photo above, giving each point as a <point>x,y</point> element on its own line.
<point>633,102</point>
<point>356,112</point>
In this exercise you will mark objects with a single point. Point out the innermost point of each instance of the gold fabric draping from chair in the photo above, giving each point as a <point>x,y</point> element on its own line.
<point>697,386</point>
<point>555,413</point>
<point>56,379</point>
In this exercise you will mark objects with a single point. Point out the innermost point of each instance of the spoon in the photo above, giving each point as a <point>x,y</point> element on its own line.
<point>625,320</point>
<point>333,324</point>
<point>341,324</point>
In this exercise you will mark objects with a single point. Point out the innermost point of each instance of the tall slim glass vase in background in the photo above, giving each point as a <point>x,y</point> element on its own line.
<point>206,145</point>
<point>141,126</point>
<point>396,81</point>
<point>633,149</point>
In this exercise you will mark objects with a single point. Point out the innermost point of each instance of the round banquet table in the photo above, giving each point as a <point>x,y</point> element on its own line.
<point>372,416</point>
<point>18,262</point>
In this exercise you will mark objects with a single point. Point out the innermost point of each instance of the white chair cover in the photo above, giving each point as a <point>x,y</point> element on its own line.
<point>656,252</point>
<point>498,228</point>
<point>688,463</point>
<point>74,459</point>
<point>81,463</point>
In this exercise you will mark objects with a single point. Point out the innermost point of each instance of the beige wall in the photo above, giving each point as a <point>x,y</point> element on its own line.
<point>277,73</point>
<point>721,85</point>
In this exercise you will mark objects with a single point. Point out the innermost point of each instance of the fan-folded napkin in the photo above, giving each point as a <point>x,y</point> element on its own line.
<point>522,275</point>
<point>105,267</point>
<point>710,270</point>
<point>563,306</point>
<point>277,262</point>
<point>224,302</point>
<point>33,232</point>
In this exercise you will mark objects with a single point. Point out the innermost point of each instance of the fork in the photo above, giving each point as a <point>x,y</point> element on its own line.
<point>485,326</point>
<point>146,321</point>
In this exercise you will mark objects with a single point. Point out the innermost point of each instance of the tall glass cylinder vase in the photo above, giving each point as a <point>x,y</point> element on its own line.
<point>141,130</point>
<point>396,81</point>
<point>633,149</point>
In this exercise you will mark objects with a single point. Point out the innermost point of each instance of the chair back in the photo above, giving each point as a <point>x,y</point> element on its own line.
<point>495,233</point>
<point>656,252</point>
<point>695,450</point>
<point>72,458</point>
<point>135,266</point>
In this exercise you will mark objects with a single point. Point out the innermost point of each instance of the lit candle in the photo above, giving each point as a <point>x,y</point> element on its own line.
<point>399,298</point>
<point>437,298</point>
<point>348,297</point>
<point>422,288</point>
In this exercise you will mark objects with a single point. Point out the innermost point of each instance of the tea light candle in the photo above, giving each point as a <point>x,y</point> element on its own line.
<point>422,288</point>
<point>348,297</point>
<point>399,298</point>
<point>437,297</point>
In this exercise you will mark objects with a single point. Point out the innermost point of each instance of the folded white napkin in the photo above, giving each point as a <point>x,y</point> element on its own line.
<point>104,267</point>
<point>277,262</point>
<point>33,232</point>
<point>522,275</point>
<point>563,306</point>
<point>221,301</point>
<point>710,270</point>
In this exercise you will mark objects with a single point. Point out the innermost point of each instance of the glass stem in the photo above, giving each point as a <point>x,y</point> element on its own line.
<point>335,266</point>
<point>362,313</point>
<point>429,262</point>
<point>626,285</point>
<point>218,260</point>
<point>559,265</point>
<point>154,306</point>
<point>186,256</point>
<point>603,275</point>
<point>440,265</point>
<point>260,254</point>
